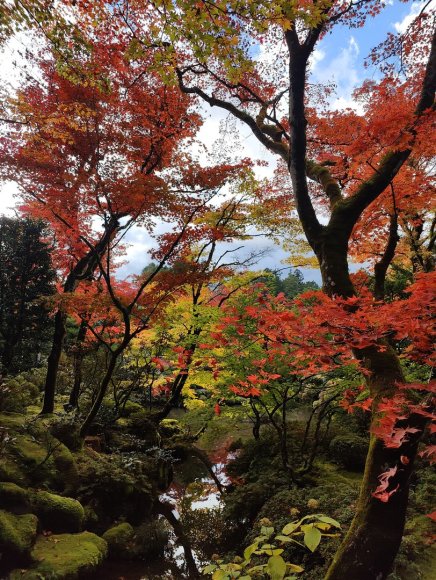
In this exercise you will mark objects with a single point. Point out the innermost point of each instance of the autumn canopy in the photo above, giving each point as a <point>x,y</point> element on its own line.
<point>103,136</point>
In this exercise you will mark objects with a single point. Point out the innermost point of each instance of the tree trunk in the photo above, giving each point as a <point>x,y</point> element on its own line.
<point>101,393</point>
<point>53,363</point>
<point>84,269</point>
<point>78,360</point>
<point>369,548</point>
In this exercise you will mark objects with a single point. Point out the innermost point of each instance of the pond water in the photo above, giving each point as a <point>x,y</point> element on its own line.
<point>194,489</point>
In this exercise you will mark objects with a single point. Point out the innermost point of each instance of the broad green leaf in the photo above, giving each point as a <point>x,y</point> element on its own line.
<point>249,551</point>
<point>276,568</point>
<point>208,569</point>
<point>312,538</point>
<point>266,531</point>
<point>330,521</point>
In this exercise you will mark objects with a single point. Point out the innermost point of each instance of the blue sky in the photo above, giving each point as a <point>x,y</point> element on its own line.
<point>338,58</point>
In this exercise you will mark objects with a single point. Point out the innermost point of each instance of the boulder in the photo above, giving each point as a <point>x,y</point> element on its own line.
<point>57,513</point>
<point>64,557</point>
<point>17,534</point>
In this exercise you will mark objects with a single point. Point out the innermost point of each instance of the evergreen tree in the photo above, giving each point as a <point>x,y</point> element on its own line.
<point>26,277</point>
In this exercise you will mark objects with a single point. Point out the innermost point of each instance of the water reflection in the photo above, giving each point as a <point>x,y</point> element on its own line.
<point>193,489</point>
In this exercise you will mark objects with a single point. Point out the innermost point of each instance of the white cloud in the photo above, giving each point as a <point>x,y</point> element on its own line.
<point>342,71</point>
<point>315,58</point>
<point>402,25</point>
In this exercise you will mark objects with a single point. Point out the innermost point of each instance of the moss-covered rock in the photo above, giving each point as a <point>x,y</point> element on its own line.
<point>104,478</point>
<point>67,430</point>
<point>119,540</point>
<point>57,513</point>
<point>17,534</point>
<point>37,459</point>
<point>10,471</point>
<point>64,557</point>
<point>34,459</point>
<point>140,425</point>
<point>132,407</point>
<point>66,468</point>
<point>170,428</point>
<point>13,496</point>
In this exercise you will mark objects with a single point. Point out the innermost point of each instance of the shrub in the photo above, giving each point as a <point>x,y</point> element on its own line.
<point>17,393</point>
<point>349,451</point>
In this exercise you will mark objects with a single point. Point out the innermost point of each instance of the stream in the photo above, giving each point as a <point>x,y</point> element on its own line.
<point>192,489</point>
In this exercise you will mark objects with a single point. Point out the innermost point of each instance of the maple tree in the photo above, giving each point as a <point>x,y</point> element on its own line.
<point>84,147</point>
<point>347,179</point>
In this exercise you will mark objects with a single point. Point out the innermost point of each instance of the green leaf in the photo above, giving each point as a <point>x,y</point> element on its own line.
<point>266,531</point>
<point>330,521</point>
<point>255,569</point>
<point>312,538</point>
<point>289,528</point>
<point>294,568</point>
<point>276,568</point>
<point>267,547</point>
<point>283,539</point>
<point>208,569</point>
<point>249,551</point>
<point>220,575</point>
<point>322,526</point>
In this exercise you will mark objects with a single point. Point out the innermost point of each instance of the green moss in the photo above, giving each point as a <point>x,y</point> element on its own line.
<point>132,407</point>
<point>67,468</point>
<point>42,459</point>
<point>28,450</point>
<point>58,514</point>
<point>33,409</point>
<point>64,556</point>
<point>17,534</point>
<point>10,471</point>
<point>119,539</point>
<point>67,430</point>
<point>12,495</point>
<point>113,490</point>
<point>122,422</point>
<point>170,427</point>
<point>12,420</point>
